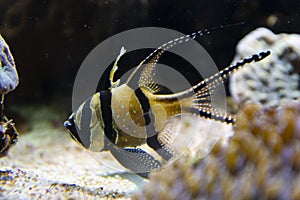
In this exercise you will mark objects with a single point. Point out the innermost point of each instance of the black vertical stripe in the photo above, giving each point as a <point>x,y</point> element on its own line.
<point>152,140</point>
<point>85,121</point>
<point>143,100</point>
<point>105,99</point>
<point>71,126</point>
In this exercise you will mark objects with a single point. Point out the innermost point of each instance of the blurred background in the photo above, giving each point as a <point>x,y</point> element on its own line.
<point>49,39</point>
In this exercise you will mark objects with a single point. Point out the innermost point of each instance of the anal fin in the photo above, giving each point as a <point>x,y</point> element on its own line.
<point>163,150</point>
<point>136,160</point>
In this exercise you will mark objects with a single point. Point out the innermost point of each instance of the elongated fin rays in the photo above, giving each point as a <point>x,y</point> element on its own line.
<point>199,95</point>
<point>207,86</point>
<point>164,47</point>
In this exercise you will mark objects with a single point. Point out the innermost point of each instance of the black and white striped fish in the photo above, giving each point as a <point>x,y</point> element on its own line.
<point>121,119</point>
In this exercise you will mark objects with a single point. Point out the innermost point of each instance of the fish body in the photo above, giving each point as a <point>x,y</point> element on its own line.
<point>121,119</point>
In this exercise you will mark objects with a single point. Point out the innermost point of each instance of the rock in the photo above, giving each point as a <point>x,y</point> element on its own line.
<point>8,74</point>
<point>272,80</point>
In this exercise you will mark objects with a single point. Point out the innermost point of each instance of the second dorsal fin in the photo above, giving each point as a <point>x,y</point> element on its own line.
<point>155,55</point>
<point>147,78</point>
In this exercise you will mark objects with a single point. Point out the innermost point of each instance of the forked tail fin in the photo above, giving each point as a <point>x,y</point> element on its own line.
<point>203,90</point>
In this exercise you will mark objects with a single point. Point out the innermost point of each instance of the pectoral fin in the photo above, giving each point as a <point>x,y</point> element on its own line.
<point>136,160</point>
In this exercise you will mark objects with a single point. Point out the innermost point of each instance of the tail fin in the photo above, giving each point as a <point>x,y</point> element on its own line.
<point>202,98</point>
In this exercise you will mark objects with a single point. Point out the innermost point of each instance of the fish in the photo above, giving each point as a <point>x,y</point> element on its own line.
<point>121,119</point>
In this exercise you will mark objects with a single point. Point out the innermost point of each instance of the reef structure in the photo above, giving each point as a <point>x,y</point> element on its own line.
<point>273,80</point>
<point>8,82</point>
<point>260,161</point>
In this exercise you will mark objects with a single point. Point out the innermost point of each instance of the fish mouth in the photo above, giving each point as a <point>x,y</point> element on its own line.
<point>70,123</point>
<point>71,126</point>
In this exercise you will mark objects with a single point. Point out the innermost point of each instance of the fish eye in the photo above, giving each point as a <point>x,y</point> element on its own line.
<point>67,124</point>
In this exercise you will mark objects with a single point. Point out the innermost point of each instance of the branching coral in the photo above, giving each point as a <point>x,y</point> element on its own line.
<point>261,161</point>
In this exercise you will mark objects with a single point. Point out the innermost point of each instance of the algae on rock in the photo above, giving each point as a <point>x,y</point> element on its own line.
<point>274,79</point>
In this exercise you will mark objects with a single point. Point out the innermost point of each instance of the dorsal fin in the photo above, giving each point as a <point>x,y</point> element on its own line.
<point>114,69</point>
<point>147,78</point>
<point>156,54</point>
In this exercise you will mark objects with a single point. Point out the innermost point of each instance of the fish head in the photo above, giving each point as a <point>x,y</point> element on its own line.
<point>85,125</point>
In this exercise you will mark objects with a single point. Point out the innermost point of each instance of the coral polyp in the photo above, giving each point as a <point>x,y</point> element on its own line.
<point>261,161</point>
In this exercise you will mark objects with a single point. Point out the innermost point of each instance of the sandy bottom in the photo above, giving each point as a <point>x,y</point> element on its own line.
<point>46,163</point>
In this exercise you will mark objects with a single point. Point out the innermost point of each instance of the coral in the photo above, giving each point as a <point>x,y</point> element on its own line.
<point>273,80</point>
<point>8,81</point>
<point>261,161</point>
<point>8,74</point>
